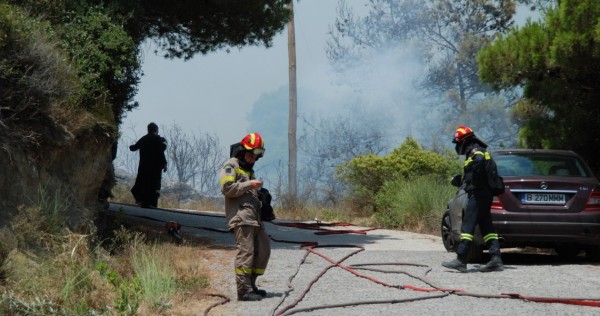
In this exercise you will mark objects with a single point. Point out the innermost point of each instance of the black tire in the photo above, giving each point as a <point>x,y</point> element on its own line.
<point>567,252</point>
<point>446,230</point>
<point>593,253</point>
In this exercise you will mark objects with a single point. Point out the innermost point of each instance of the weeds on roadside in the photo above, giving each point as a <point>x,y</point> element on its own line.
<point>414,205</point>
<point>156,277</point>
<point>48,270</point>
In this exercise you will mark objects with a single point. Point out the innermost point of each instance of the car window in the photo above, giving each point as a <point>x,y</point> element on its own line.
<point>536,164</point>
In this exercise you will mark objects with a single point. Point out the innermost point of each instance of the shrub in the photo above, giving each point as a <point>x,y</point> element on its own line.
<point>156,277</point>
<point>414,205</point>
<point>367,175</point>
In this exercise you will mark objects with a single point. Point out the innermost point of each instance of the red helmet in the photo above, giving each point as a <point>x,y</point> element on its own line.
<point>462,133</point>
<point>255,143</point>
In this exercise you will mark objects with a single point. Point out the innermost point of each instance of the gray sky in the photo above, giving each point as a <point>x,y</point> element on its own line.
<point>212,93</point>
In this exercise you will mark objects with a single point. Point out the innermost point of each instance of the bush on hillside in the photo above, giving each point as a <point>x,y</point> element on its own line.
<point>367,175</point>
<point>414,205</point>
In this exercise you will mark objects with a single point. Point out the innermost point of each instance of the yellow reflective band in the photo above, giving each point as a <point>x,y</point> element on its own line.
<point>468,161</point>
<point>226,179</point>
<point>242,172</point>
<point>466,237</point>
<point>243,270</point>
<point>258,271</point>
<point>485,155</point>
<point>489,237</point>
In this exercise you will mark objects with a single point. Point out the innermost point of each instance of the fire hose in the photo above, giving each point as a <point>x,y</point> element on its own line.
<point>287,310</point>
<point>311,247</point>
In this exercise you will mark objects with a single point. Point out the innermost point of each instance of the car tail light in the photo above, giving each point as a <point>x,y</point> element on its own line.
<point>593,203</point>
<point>497,204</point>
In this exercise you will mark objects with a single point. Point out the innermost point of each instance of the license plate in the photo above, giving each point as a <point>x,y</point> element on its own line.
<point>543,198</point>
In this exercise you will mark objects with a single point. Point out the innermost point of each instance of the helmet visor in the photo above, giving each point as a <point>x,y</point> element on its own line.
<point>258,152</point>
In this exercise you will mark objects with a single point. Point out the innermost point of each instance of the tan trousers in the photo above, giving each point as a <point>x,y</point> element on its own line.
<point>253,252</point>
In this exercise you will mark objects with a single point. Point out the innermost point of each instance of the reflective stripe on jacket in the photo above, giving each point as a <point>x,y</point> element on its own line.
<point>474,169</point>
<point>242,206</point>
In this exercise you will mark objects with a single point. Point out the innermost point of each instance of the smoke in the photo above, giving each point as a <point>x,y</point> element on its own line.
<point>383,86</point>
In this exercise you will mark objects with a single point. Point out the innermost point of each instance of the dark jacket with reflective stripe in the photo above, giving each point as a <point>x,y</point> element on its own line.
<point>475,175</point>
<point>242,206</point>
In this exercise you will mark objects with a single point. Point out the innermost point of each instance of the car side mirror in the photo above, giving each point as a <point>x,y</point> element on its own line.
<point>456,180</point>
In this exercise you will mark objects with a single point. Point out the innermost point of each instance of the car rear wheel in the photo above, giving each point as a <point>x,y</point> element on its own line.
<point>567,252</point>
<point>447,237</point>
<point>592,253</point>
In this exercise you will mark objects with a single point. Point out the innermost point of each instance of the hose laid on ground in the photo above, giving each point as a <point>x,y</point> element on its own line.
<point>593,302</point>
<point>224,301</point>
<point>321,231</point>
<point>287,310</point>
<point>310,247</point>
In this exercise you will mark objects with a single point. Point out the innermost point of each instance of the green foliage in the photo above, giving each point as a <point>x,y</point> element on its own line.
<point>129,292</point>
<point>414,205</point>
<point>107,59</point>
<point>33,72</point>
<point>368,174</point>
<point>557,61</point>
<point>44,218</point>
<point>102,40</point>
<point>193,282</point>
<point>11,304</point>
<point>184,28</point>
<point>53,204</point>
<point>156,277</point>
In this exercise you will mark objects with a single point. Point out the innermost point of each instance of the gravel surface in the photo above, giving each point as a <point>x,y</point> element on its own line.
<point>298,282</point>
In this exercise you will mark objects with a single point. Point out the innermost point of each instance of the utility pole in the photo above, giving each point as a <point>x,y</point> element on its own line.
<point>293,108</point>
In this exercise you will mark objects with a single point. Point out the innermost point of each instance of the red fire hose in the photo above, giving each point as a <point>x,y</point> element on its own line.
<point>311,246</point>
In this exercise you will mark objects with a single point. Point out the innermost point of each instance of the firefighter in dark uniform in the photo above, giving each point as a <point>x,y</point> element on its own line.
<point>153,163</point>
<point>478,205</point>
<point>242,213</point>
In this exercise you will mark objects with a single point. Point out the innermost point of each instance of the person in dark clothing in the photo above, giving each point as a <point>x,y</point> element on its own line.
<point>152,146</point>
<point>478,205</point>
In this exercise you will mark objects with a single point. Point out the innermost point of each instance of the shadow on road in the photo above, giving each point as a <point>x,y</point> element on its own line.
<point>528,257</point>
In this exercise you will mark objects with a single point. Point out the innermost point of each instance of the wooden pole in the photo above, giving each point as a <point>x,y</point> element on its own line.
<point>293,109</point>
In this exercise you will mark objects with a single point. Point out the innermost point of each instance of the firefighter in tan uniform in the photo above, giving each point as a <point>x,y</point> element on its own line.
<point>242,212</point>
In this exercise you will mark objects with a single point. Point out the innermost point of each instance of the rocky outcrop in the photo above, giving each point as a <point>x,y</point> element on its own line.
<point>61,168</point>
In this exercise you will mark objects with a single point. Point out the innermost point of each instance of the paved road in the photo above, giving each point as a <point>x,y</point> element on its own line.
<point>385,272</point>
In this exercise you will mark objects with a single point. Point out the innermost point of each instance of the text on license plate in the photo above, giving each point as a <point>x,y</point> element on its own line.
<point>543,198</point>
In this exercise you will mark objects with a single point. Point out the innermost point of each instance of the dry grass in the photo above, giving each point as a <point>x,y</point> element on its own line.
<point>71,278</point>
<point>193,261</point>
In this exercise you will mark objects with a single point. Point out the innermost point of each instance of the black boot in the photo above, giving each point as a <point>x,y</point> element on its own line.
<point>456,264</point>
<point>250,296</point>
<point>245,289</point>
<point>255,289</point>
<point>493,265</point>
<point>460,263</point>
